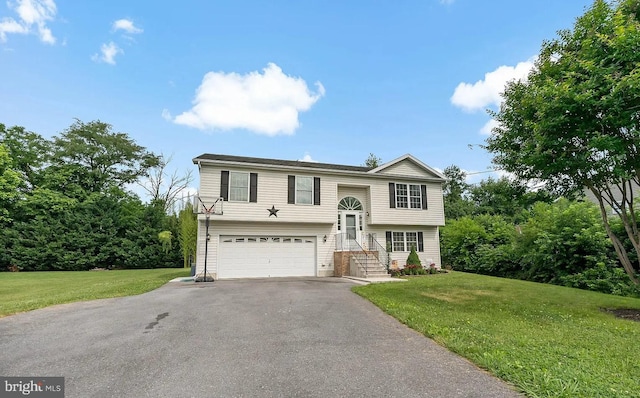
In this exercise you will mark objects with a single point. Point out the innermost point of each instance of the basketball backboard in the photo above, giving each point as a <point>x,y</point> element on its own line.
<point>211,205</point>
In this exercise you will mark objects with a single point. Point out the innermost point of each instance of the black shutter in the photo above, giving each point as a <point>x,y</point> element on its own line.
<point>291,197</point>
<point>420,242</point>
<point>224,185</point>
<point>389,241</point>
<point>392,195</point>
<point>423,189</point>
<point>316,191</point>
<point>253,187</point>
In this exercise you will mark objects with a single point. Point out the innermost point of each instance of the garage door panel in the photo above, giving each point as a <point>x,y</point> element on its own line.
<point>266,256</point>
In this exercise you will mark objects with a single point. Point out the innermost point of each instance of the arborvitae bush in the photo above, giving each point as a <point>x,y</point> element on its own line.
<point>413,258</point>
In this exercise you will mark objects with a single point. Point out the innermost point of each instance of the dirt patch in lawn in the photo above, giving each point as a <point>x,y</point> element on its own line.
<point>631,314</point>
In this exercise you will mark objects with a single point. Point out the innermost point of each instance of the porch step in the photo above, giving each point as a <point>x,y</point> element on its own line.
<point>371,267</point>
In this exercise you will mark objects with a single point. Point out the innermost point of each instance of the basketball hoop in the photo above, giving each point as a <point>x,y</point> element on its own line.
<point>208,206</point>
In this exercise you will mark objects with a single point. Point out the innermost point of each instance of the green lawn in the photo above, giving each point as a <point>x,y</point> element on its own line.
<point>25,291</point>
<point>549,341</point>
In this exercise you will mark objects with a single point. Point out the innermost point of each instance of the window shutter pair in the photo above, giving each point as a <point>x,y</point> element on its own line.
<point>224,186</point>
<point>291,190</point>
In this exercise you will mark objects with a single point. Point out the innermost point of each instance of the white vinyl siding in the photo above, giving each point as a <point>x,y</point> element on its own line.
<point>304,190</point>
<point>372,192</point>
<point>381,214</point>
<point>407,168</point>
<point>238,187</point>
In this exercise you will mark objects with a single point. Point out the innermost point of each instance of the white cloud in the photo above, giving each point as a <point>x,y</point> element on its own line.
<point>166,115</point>
<point>488,127</point>
<point>108,53</point>
<point>487,92</point>
<point>8,25</point>
<point>307,158</point>
<point>266,103</point>
<point>33,16</point>
<point>125,25</point>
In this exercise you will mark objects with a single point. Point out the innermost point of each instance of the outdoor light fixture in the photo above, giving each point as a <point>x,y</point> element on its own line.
<point>324,239</point>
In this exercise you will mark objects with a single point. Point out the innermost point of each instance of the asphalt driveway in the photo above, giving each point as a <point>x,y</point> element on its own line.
<point>308,337</point>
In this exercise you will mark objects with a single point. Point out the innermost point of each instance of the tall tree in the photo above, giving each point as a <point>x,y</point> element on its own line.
<point>10,181</point>
<point>455,189</point>
<point>372,161</point>
<point>29,153</point>
<point>187,233</point>
<point>110,159</point>
<point>506,197</point>
<point>575,122</point>
<point>163,187</point>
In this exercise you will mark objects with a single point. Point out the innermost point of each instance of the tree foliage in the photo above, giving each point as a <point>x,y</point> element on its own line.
<point>503,196</point>
<point>10,181</point>
<point>562,243</point>
<point>372,161</point>
<point>413,258</point>
<point>455,190</point>
<point>108,159</point>
<point>574,123</point>
<point>188,233</point>
<point>64,203</point>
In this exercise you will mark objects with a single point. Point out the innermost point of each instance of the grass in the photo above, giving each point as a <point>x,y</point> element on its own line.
<point>548,341</point>
<point>26,291</point>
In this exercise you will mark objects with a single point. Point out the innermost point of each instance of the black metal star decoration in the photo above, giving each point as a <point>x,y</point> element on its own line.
<point>273,211</point>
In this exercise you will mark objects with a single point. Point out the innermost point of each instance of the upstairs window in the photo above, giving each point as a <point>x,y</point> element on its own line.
<point>238,187</point>
<point>304,190</point>
<point>407,196</point>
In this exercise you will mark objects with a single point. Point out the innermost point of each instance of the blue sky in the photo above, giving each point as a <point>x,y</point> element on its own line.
<point>329,81</point>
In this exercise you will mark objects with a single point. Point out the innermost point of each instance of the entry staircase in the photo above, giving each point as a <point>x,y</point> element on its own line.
<point>369,262</point>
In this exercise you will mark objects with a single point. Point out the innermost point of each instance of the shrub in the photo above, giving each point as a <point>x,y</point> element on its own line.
<point>601,278</point>
<point>413,258</point>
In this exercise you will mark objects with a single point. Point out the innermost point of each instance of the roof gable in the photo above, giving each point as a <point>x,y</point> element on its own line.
<point>407,165</point>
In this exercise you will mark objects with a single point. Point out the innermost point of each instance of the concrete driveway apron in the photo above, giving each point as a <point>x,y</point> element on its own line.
<point>298,337</point>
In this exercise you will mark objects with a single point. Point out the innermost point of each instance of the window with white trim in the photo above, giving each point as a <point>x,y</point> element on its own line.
<point>304,190</point>
<point>411,240</point>
<point>403,241</point>
<point>398,241</point>
<point>408,196</point>
<point>238,187</point>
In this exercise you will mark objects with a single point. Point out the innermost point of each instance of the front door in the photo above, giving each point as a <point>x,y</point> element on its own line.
<point>351,231</point>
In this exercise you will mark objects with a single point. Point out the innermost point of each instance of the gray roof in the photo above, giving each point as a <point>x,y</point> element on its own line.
<point>278,162</point>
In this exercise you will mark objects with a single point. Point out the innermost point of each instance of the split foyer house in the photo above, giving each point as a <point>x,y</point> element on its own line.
<point>277,218</point>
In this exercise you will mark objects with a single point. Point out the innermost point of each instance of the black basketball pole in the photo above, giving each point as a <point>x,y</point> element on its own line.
<point>206,245</point>
<point>207,215</point>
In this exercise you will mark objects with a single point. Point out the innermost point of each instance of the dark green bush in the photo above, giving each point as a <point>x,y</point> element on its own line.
<point>413,258</point>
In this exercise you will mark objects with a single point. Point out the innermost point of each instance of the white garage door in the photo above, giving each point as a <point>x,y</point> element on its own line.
<point>266,256</point>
